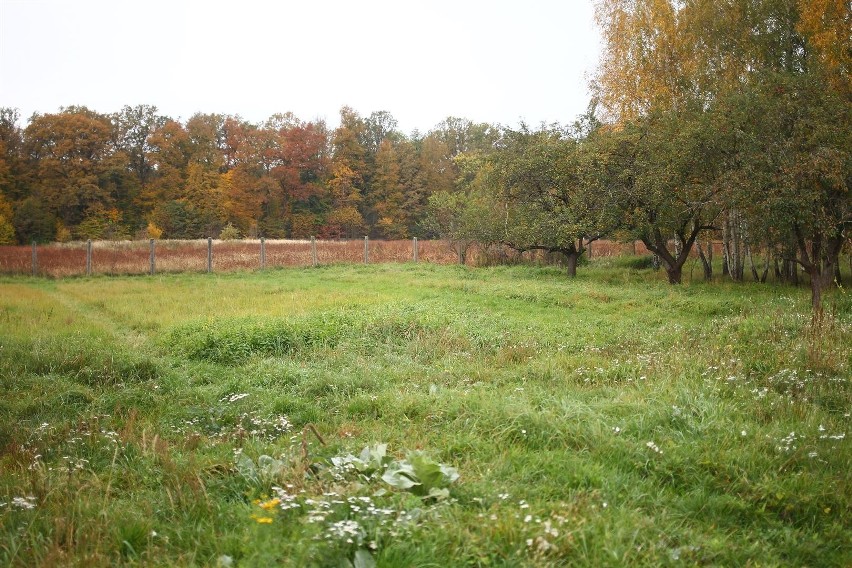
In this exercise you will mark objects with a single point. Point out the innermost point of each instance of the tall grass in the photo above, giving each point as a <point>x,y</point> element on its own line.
<point>606,420</point>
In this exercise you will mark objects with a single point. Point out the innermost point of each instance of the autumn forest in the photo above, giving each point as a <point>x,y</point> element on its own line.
<point>79,174</point>
<point>709,121</point>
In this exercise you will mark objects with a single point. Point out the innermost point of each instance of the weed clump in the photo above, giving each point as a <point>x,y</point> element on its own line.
<point>231,341</point>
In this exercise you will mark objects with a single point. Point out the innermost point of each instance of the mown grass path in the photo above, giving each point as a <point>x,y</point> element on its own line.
<point>606,420</point>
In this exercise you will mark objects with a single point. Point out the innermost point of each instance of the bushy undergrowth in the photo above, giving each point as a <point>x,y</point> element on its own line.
<point>233,340</point>
<point>524,420</point>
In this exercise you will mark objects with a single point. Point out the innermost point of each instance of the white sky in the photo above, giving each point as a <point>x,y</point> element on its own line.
<point>490,61</point>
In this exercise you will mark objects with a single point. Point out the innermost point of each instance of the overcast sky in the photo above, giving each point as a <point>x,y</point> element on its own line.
<point>490,61</point>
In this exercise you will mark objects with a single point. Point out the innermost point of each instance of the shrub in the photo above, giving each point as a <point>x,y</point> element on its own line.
<point>640,262</point>
<point>63,233</point>
<point>230,233</point>
<point>153,231</point>
<point>7,232</point>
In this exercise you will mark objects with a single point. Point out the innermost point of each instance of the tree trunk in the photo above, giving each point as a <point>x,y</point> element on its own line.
<point>819,263</point>
<point>732,242</point>
<point>739,259</point>
<point>673,265</point>
<point>675,274</point>
<point>706,263</point>
<point>741,238</point>
<point>461,250</point>
<point>751,263</point>
<point>790,271</point>
<point>572,263</point>
<point>816,290</point>
<point>831,265</point>
<point>726,255</point>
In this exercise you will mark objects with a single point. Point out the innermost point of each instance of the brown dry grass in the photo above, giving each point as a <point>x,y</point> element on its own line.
<point>133,257</point>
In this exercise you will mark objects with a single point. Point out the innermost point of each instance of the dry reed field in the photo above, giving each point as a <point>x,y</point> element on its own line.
<point>133,257</point>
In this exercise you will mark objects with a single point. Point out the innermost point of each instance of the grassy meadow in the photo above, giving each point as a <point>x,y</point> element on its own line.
<point>422,415</point>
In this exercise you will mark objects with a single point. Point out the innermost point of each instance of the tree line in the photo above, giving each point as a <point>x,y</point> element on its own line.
<point>80,174</point>
<point>710,120</point>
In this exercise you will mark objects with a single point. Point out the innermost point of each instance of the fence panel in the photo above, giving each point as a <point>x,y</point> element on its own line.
<point>133,257</point>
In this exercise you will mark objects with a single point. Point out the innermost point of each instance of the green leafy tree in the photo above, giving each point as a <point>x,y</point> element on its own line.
<point>177,219</point>
<point>460,135</point>
<point>15,178</point>
<point>437,171</point>
<point>7,230</point>
<point>544,202</point>
<point>378,127</point>
<point>748,92</point>
<point>458,218</point>
<point>207,140</point>
<point>464,214</point>
<point>135,126</point>
<point>795,170</point>
<point>663,173</point>
<point>33,221</point>
<point>101,223</point>
<point>415,197</point>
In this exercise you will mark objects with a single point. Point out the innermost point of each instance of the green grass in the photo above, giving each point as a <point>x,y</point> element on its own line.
<point>607,420</point>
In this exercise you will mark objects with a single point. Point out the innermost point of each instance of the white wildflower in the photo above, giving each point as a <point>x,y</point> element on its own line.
<point>233,397</point>
<point>24,502</point>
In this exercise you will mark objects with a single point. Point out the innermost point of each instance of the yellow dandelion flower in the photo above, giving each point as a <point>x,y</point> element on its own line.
<point>271,504</point>
<point>264,520</point>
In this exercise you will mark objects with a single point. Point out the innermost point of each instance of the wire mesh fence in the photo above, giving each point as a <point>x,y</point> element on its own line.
<point>170,256</point>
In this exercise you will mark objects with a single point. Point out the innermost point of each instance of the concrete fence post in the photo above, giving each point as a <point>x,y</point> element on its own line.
<point>153,258</point>
<point>209,255</point>
<point>89,257</point>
